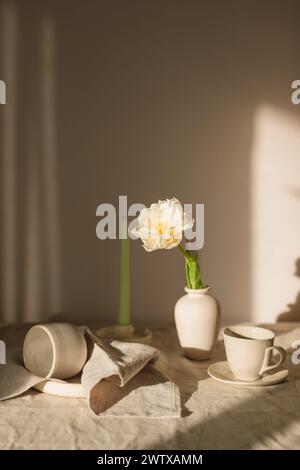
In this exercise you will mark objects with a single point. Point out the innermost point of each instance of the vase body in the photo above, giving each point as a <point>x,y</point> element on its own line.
<point>197,319</point>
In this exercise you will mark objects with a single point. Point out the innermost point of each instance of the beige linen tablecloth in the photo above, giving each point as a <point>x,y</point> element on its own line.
<point>215,415</point>
<point>118,378</point>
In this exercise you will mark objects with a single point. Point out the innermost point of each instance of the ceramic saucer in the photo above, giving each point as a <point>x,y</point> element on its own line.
<point>71,388</point>
<point>220,371</point>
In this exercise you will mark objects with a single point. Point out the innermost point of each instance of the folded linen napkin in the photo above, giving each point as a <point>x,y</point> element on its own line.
<point>120,379</point>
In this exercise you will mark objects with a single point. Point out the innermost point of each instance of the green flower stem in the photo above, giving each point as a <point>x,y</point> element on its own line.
<point>186,266</point>
<point>184,252</point>
<point>192,270</point>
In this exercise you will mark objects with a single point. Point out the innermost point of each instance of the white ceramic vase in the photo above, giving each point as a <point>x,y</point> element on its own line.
<point>197,319</point>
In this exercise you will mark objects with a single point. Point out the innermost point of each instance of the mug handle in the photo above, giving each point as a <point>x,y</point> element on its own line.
<point>267,359</point>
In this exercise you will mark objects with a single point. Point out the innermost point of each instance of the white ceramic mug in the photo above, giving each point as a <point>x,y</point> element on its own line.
<point>56,350</point>
<point>249,351</point>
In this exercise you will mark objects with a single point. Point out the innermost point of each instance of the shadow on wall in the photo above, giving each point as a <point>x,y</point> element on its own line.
<point>148,99</point>
<point>293,314</point>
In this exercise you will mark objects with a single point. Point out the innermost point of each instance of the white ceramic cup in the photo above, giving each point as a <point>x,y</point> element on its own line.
<point>249,351</point>
<point>56,350</point>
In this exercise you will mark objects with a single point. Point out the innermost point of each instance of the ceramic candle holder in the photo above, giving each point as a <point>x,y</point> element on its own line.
<point>56,350</point>
<point>126,333</point>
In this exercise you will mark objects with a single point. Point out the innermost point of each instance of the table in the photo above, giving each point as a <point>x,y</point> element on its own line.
<point>215,415</point>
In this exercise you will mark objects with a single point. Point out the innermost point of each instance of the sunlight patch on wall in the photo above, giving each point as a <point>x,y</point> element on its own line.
<point>42,294</point>
<point>32,275</point>
<point>50,165</point>
<point>275,215</point>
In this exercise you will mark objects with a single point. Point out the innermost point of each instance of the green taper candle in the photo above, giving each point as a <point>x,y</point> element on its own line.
<point>124,296</point>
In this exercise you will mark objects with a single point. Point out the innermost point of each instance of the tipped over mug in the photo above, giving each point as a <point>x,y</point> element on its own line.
<point>249,350</point>
<point>55,350</point>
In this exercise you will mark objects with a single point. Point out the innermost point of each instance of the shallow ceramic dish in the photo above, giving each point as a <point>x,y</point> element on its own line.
<point>71,388</point>
<point>221,371</point>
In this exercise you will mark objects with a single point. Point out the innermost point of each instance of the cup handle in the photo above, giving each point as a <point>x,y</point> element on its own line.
<point>268,356</point>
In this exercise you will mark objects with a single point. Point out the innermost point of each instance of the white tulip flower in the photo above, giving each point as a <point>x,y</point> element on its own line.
<point>161,225</point>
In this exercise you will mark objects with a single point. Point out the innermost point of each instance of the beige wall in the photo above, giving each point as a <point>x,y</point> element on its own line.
<point>151,99</point>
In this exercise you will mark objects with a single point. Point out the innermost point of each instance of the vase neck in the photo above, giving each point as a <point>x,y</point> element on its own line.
<point>196,292</point>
